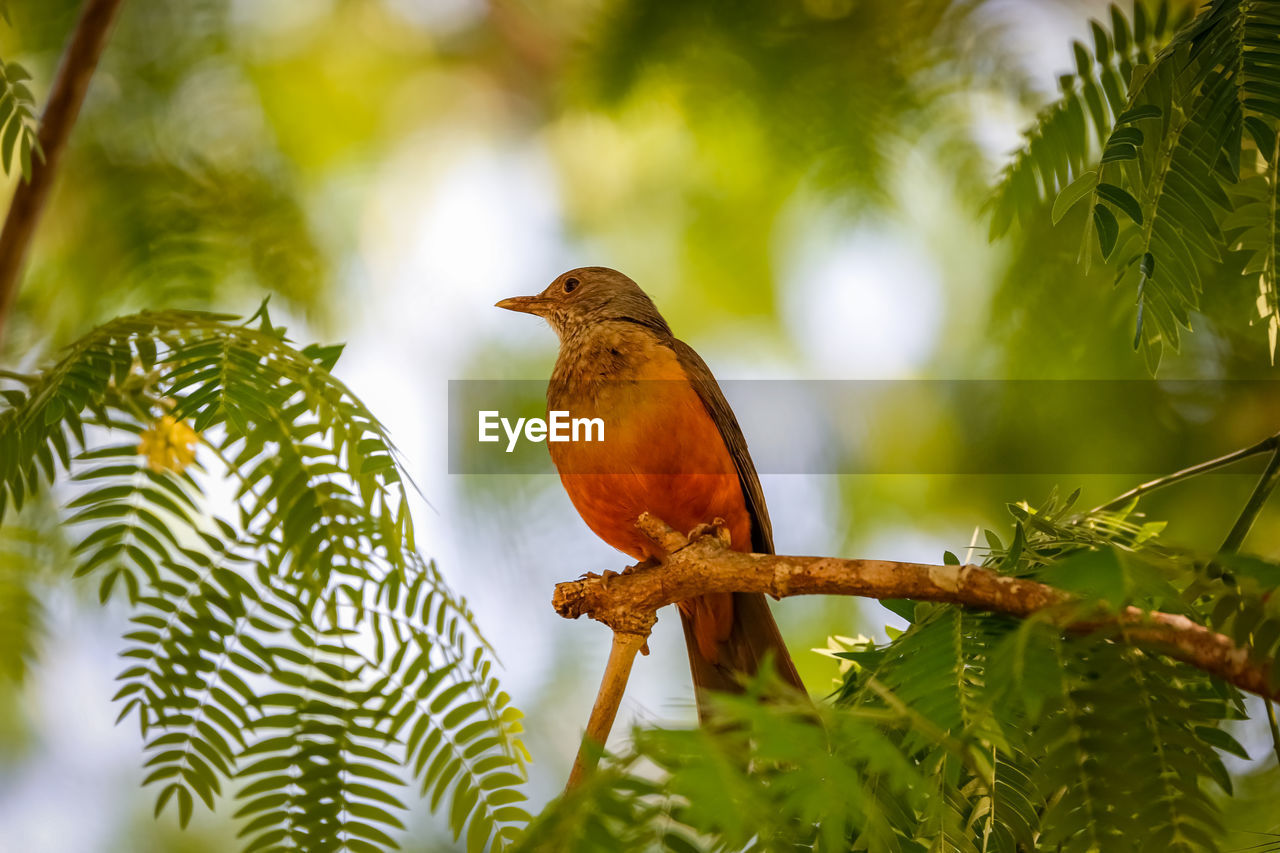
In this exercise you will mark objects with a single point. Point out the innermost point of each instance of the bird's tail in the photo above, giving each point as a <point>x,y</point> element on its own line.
<point>729,635</point>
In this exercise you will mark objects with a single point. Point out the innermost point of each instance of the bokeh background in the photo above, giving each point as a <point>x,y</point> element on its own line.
<point>799,184</point>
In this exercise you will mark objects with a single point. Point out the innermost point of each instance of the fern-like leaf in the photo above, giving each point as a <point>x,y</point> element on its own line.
<point>19,138</point>
<point>26,552</point>
<point>300,649</point>
<point>1176,189</point>
<point>1071,133</point>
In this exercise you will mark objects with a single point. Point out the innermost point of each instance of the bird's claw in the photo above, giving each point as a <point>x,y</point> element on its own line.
<point>716,528</point>
<point>647,563</point>
<point>609,574</point>
<point>604,577</point>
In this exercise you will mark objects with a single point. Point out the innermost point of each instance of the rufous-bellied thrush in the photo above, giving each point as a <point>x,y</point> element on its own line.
<point>672,447</point>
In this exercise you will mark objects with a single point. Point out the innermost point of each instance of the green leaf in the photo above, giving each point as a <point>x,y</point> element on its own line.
<point>1104,222</point>
<point>905,608</point>
<point>1117,152</point>
<point>325,356</point>
<point>1121,199</point>
<point>1138,113</point>
<point>1072,193</point>
<point>9,141</point>
<point>1222,740</point>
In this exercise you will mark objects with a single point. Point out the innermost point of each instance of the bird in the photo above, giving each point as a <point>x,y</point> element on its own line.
<point>672,447</point>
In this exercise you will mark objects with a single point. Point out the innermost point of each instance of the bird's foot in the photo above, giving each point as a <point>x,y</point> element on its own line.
<point>716,528</point>
<point>604,577</point>
<point>647,563</point>
<point>609,574</point>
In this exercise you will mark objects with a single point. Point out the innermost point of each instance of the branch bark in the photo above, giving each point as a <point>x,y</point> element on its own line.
<point>707,565</point>
<point>79,61</point>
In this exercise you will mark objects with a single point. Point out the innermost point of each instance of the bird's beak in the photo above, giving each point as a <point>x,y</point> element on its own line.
<point>526,304</point>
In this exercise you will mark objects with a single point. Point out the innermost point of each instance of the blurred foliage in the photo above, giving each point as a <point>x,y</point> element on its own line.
<point>723,114</point>
<point>172,192</point>
<point>23,558</point>
<point>18,142</point>
<point>835,88</point>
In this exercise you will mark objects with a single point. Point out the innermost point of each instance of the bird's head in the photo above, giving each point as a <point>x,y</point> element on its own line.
<point>585,297</point>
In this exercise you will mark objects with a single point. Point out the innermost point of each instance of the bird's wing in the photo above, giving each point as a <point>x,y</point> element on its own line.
<point>718,407</point>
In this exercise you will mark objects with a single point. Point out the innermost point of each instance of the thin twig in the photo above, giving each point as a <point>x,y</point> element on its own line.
<point>705,565</point>
<point>1275,728</point>
<point>1234,541</point>
<point>1267,445</point>
<point>630,635</point>
<point>65,97</point>
<point>614,683</point>
<point>1262,491</point>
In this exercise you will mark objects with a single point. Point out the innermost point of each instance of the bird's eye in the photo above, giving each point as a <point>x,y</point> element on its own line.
<point>570,284</point>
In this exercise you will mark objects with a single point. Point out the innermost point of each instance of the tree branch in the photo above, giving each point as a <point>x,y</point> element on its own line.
<point>707,565</point>
<point>69,86</point>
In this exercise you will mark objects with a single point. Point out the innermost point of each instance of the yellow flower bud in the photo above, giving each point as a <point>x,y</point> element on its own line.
<point>169,444</point>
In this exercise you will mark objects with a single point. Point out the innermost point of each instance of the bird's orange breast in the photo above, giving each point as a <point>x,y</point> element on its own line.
<point>661,453</point>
